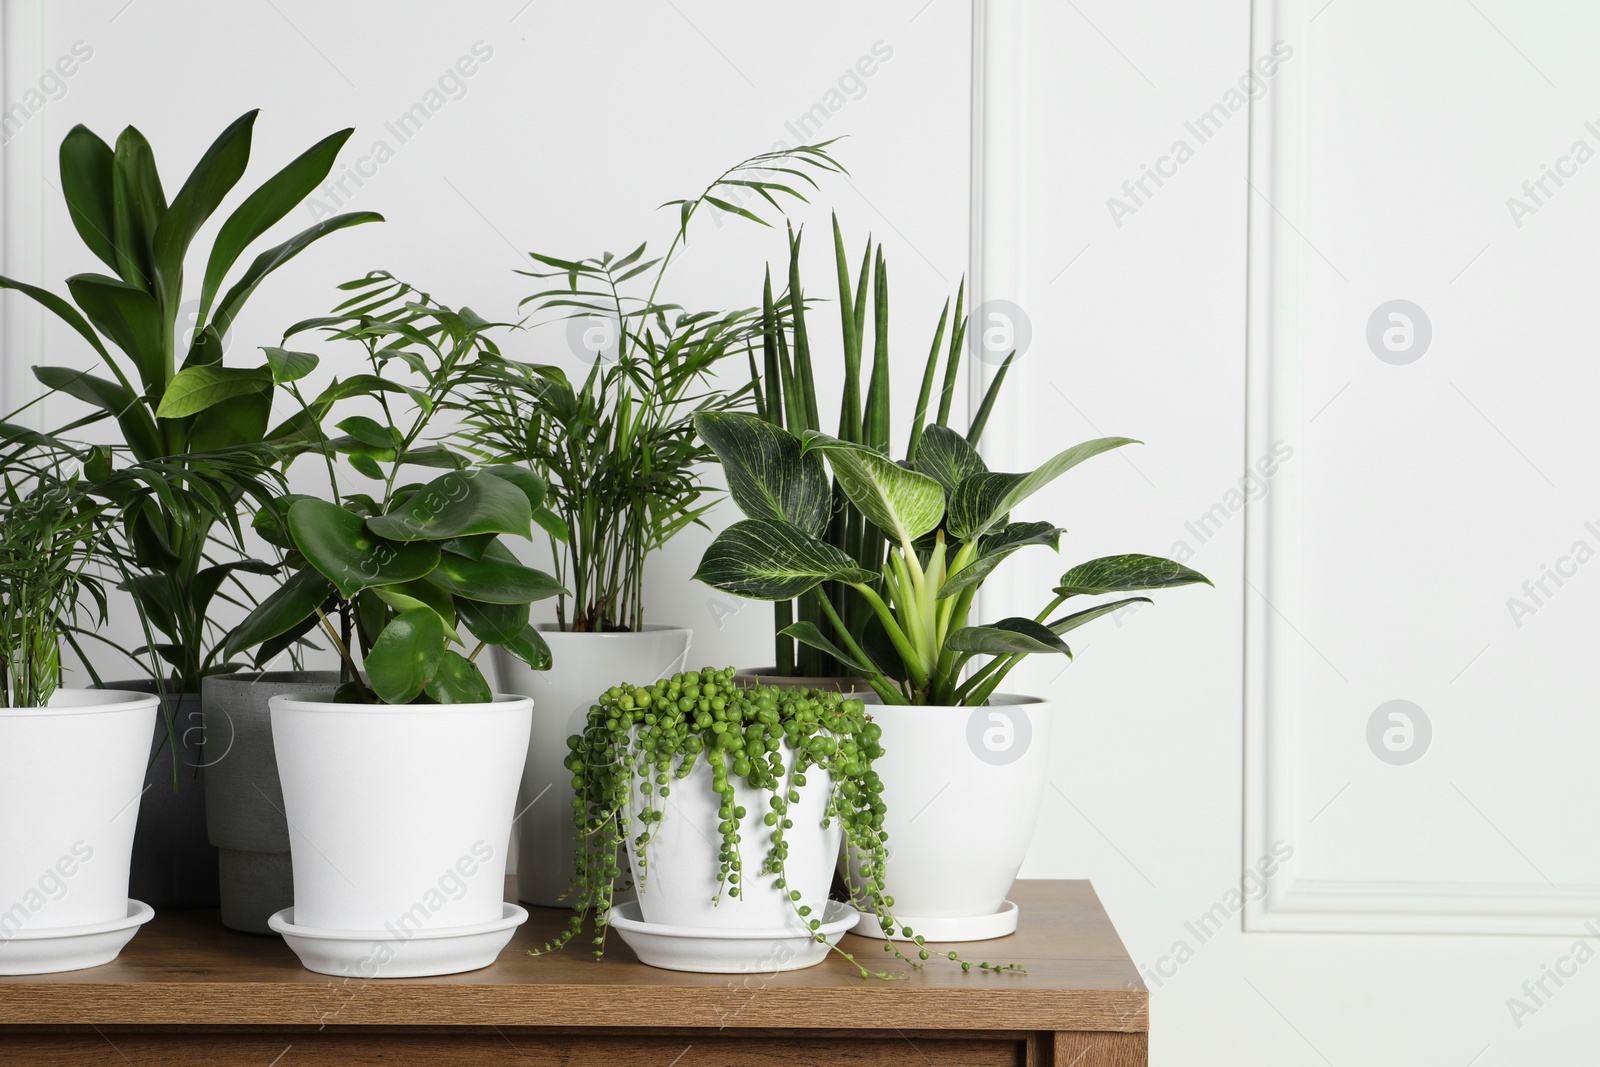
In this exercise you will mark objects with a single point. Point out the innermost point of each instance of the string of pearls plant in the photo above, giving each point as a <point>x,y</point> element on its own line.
<point>658,734</point>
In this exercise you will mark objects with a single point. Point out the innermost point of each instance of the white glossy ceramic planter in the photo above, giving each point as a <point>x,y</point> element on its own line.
<point>399,815</point>
<point>583,667</point>
<point>71,776</point>
<point>963,787</point>
<point>678,887</point>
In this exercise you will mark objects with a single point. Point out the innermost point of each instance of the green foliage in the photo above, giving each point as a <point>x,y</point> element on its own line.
<point>771,739</point>
<point>620,451</point>
<point>399,578</point>
<point>184,417</point>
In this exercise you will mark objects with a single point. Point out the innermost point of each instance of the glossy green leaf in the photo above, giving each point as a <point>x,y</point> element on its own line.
<point>277,256</point>
<point>530,647</point>
<point>128,410</point>
<point>219,169</point>
<point>493,581</point>
<point>496,624</point>
<point>458,681</point>
<point>982,500</point>
<point>533,487</point>
<point>1016,636</point>
<point>137,204</point>
<point>406,656</point>
<point>287,366</point>
<point>457,505</point>
<point>130,319</point>
<point>287,607</point>
<point>86,185</point>
<point>901,502</point>
<point>272,519</point>
<point>1127,573</point>
<point>807,633</point>
<point>371,432</point>
<point>768,560</point>
<point>769,476</point>
<point>945,456</point>
<point>421,594</point>
<point>339,544</point>
<point>1078,618</point>
<point>194,389</point>
<point>994,548</point>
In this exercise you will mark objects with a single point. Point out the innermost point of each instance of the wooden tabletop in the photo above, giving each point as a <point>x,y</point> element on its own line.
<point>185,968</point>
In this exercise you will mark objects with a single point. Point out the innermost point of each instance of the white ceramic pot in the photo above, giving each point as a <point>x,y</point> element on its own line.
<point>583,667</point>
<point>678,887</point>
<point>398,815</point>
<point>963,788</point>
<point>71,776</point>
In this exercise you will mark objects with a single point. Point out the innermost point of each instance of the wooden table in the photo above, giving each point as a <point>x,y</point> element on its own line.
<point>186,990</point>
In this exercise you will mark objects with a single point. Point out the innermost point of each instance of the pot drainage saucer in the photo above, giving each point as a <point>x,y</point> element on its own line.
<point>713,951</point>
<point>396,953</point>
<point>47,950</point>
<point>947,928</point>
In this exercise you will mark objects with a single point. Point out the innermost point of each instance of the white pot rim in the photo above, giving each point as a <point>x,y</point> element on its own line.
<point>322,701</point>
<point>650,628</point>
<point>86,702</point>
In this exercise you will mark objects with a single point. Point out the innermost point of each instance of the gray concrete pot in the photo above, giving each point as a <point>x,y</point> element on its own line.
<point>174,866</point>
<point>244,798</point>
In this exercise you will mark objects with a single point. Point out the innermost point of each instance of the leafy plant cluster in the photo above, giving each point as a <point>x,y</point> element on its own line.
<point>768,738</point>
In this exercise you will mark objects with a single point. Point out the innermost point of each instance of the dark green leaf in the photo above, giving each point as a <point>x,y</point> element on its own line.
<point>287,607</point>
<point>1078,618</point>
<point>994,548</point>
<point>86,184</point>
<point>194,389</point>
<point>406,656</point>
<point>807,633</point>
<point>901,502</point>
<point>339,544</point>
<point>768,560</point>
<point>529,646</point>
<point>1121,574</point>
<point>493,581</point>
<point>216,173</point>
<point>945,456</point>
<point>1008,637</point>
<point>495,624</point>
<point>458,681</point>
<point>458,505</point>
<point>769,476</point>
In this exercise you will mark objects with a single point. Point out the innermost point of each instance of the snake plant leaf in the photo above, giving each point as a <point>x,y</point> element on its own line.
<point>495,624</point>
<point>1008,637</point>
<point>901,502</point>
<point>1121,574</point>
<point>1078,618</point>
<point>769,476</point>
<point>218,171</point>
<point>339,544</point>
<point>130,319</point>
<point>458,681</point>
<point>493,581</point>
<point>86,185</point>
<point>406,656</point>
<point>276,197</point>
<point>807,633</point>
<point>765,559</point>
<point>417,593</point>
<point>194,389</point>
<point>286,608</point>
<point>529,646</point>
<point>945,456</point>
<point>458,505</point>
<point>982,500</point>
<point>287,366</point>
<point>993,550</point>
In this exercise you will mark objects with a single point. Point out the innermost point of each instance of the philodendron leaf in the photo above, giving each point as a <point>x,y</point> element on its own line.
<point>529,646</point>
<point>406,656</point>
<point>984,499</point>
<point>1122,574</point>
<point>493,581</point>
<point>339,544</point>
<point>993,549</point>
<point>901,502</point>
<point>456,505</point>
<point>194,389</point>
<point>495,624</point>
<point>1078,618</point>
<point>947,457</point>
<point>768,560</point>
<point>286,608</point>
<point>1008,637</point>
<point>769,476</point>
<point>458,681</point>
<point>807,633</point>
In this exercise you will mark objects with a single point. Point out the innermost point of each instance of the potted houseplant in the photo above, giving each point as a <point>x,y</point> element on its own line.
<point>947,731</point>
<point>71,760</point>
<point>166,376</point>
<point>621,458</point>
<point>730,802</point>
<point>399,785</point>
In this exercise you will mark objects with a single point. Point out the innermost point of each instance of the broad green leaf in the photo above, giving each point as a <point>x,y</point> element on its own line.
<point>458,681</point>
<point>287,366</point>
<point>901,502</point>
<point>1008,637</point>
<point>457,505</point>
<point>128,410</point>
<point>768,560</point>
<point>530,647</point>
<point>217,172</point>
<point>371,432</point>
<point>287,607</point>
<point>130,319</point>
<point>234,423</point>
<point>807,633</point>
<point>984,499</point>
<point>1078,618</point>
<point>420,594</point>
<point>472,547</point>
<point>339,544</point>
<point>532,486</point>
<point>945,456</point>
<point>272,519</point>
<point>137,204</point>
<point>769,476</point>
<point>86,185</point>
<point>495,624</point>
<point>493,581</point>
<point>194,389</point>
<point>406,656</point>
<point>994,548</point>
<point>1122,574</point>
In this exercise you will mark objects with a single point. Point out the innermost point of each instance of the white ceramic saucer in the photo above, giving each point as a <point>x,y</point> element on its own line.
<point>949,928</point>
<point>392,954</point>
<point>685,948</point>
<point>70,948</point>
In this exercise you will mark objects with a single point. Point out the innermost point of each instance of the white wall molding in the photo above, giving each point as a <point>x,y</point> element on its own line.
<point>22,188</point>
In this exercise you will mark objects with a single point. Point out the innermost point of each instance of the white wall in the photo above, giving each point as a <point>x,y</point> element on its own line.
<point>1400,516</point>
